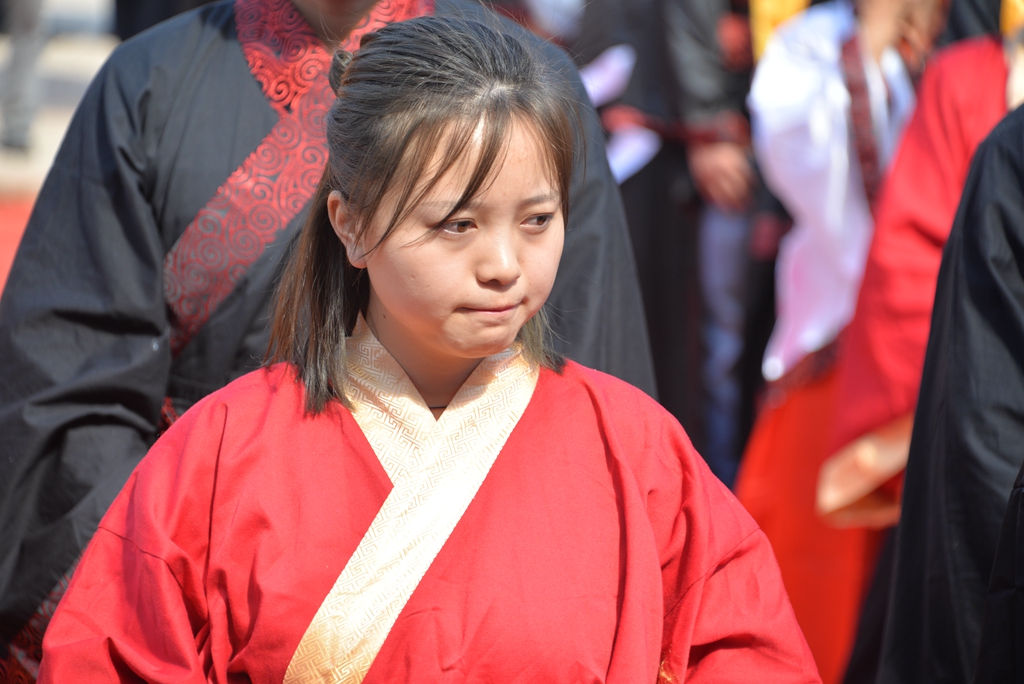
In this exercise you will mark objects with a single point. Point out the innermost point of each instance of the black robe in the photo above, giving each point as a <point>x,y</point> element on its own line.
<point>1001,654</point>
<point>968,439</point>
<point>86,332</point>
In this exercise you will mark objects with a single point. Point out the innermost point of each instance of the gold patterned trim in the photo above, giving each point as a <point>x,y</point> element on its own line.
<point>436,468</point>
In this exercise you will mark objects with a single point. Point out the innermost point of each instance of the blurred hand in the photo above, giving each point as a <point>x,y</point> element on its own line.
<point>723,174</point>
<point>921,25</point>
<point>911,26</point>
<point>880,22</point>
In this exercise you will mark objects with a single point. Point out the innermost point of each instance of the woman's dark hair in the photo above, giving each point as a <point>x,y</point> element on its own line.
<point>415,91</point>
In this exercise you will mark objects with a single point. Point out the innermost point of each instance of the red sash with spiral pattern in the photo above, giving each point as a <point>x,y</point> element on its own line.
<point>274,184</point>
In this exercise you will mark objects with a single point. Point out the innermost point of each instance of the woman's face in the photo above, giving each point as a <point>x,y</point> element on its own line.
<point>461,292</point>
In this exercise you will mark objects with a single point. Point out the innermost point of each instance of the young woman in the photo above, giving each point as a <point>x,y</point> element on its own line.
<point>416,490</point>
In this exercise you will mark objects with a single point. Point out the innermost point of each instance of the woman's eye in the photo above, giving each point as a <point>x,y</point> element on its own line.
<point>458,227</point>
<point>540,221</point>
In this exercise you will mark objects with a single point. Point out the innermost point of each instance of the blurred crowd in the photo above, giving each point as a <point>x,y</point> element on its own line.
<point>791,172</point>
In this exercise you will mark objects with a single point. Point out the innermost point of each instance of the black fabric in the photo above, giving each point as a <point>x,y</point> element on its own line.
<point>862,667</point>
<point>1001,654</point>
<point>604,23</point>
<point>663,221</point>
<point>135,16</point>
<point>706,87</point>
<point>969,18</point>
<point>968,433</point>
<point>83,325</point>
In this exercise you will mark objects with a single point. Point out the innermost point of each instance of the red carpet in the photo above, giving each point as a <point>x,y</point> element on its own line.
<point>14,212</point>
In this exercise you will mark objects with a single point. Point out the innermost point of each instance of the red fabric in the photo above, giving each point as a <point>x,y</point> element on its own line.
<point>599,548</point>
<point>962,97</point>
<point>14,213</point>
<point>825,570</point>
<point>275,182</point>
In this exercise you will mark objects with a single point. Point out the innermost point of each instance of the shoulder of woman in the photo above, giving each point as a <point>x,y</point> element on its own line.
<point>684,501</point>
<point>609,389</point>
<point>225,436</point>
<point>637,420</point>
<point>264,397</point>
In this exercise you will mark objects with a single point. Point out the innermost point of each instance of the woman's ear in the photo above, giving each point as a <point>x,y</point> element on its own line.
<point>337,212</point>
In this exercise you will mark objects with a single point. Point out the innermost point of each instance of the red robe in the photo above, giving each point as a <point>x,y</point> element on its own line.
<point>598,549</point>
<point>962,97</point>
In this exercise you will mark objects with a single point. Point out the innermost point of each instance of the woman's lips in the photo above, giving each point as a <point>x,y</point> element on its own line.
<point>493,311</point>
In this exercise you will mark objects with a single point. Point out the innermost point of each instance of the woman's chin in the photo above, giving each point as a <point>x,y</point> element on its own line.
<point>484,345</point>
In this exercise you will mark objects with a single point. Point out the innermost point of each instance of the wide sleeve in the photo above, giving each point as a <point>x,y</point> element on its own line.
<point>727,615</point>
<point>968,427</point>
<point>83,338</point>
<point>738,623</point>
<point>596,307</point>
<point>137,609</point>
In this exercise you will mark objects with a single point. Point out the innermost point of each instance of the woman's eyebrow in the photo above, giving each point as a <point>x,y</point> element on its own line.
<point>448,205</point>
<point>540,199</point>
<point>474,203</point>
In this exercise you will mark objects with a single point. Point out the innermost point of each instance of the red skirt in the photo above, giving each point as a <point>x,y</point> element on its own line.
<point>826,570</point>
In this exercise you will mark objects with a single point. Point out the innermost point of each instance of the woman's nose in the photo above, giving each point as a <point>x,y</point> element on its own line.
<point>499,260</point>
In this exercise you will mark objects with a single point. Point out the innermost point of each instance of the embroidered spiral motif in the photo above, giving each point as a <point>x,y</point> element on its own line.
<point>275,183</point>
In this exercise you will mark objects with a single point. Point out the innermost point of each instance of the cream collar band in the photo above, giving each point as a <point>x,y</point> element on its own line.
<point>376,379</point>
<point>436,469</point>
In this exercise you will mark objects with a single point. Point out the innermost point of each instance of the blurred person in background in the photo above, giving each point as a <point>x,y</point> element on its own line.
<point>143,279</point>
<point>622,51</point>
<point>648,155</point>
<point>965,90</point>
<point>709,43</point>
<point>769,222</point>
<point>829,100</point>
<point>679,144</point>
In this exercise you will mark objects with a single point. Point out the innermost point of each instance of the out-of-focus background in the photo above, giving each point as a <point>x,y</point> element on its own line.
<point>67,41</point>
<point>77,38</point>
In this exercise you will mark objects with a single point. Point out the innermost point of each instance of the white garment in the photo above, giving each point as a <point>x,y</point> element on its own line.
<point>802,135</point>
<point>559,18</point>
